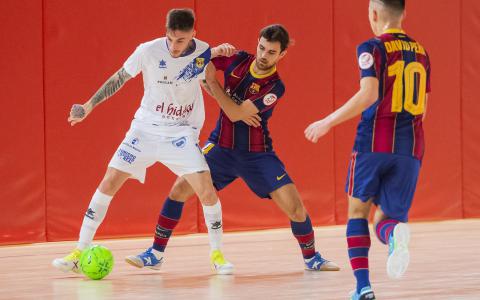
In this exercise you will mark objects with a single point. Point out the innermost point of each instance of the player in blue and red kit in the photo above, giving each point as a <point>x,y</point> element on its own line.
<point>389,146</point>
<point>240,146</point>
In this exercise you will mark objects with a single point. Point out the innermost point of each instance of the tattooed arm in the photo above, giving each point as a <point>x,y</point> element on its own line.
<point>79,112</point>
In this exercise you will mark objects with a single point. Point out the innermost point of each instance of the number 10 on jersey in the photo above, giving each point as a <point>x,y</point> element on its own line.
<point>413,73</point>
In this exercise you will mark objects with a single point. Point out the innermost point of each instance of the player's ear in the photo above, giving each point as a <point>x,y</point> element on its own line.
<point>283,53</point>
<point>375,15</point>
<point>194,33</point>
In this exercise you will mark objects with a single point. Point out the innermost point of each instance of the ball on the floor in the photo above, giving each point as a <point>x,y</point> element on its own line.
<point>96,262</point>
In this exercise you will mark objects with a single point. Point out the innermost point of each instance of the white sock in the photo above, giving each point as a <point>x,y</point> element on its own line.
<point>93,218</point>
<point>213,220</point>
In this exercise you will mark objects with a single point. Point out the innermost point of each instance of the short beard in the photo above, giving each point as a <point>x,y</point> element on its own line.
<point>263,68</point>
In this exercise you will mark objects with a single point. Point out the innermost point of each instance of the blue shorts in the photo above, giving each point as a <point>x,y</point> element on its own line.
<point>389,179</point>
<point>263,172</point>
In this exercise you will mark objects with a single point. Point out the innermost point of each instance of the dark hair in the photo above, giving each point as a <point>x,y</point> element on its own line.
<point>397,6</point>
<point>276,33</point>
<point>180,19</point>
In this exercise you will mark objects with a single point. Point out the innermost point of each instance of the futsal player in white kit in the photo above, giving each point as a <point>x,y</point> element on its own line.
<point>165,128</point>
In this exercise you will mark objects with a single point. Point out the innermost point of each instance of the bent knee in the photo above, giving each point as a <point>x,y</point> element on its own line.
<point>208,196</point>
<point>297,213</point>
<point>112,181</point>
<point>181,190</point>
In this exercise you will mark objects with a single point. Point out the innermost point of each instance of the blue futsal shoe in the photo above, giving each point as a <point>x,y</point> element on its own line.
<point>398,255</point>
<point>318,263</point>
<point>145,260</point>
<point>365,294</point>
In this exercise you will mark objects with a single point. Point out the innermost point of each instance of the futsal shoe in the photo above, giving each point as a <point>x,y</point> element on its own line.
<point>219,264</point>
<point>69,262</point>
<point>398,255</point>
<point>145,260</point>
<point>318,263</point>
<point>365,294</point>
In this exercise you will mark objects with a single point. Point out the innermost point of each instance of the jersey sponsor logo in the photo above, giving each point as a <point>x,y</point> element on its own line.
<point>132,144</point>
<point>165,80</point>
<point>254,88</point>
<point>126,156</point>
<point>269,99</point>
<point>175,112</point>
<point>281,177</point>
<point>162,64</point>
<point>365,61</point>
<point>180,143</point>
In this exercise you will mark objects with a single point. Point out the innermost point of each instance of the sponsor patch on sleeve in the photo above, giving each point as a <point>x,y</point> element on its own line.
<point>269,99</point>
<point>365,60</point>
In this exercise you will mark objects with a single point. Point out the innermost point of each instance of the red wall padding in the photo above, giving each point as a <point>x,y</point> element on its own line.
<point>470,133</point>
<point>86,42</point>
<point>22,165</point>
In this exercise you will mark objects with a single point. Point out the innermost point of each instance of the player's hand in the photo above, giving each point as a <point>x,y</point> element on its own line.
<point>78,113</point>
<point>253,121</point>
<point>223,50</point>
<point>316,130</point>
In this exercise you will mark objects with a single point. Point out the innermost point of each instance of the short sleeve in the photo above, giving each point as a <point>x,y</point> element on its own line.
<point>222,62</point>
<point>133,65</point>
<point>202,61</point>
<point>368,59</point>
<point>269,97</point>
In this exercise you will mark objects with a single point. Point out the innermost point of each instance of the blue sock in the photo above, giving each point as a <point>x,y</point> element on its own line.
<point>303,232</point>
<point>168,219</point>
<point>358,240</point>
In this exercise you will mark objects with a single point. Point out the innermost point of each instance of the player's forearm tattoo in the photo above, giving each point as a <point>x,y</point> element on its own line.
<point>110,87</point>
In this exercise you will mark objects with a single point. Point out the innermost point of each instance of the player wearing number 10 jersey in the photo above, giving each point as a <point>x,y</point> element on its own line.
<point>389,146</point>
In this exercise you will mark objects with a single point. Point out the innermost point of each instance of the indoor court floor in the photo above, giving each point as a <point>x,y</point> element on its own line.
<point>445,264</point>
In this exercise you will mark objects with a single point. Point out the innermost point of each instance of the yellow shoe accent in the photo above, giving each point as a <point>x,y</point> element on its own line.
<point>69,262</point>
<point>220,264</point>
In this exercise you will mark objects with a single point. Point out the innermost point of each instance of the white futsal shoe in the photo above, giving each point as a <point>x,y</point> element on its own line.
<point>398,255</point>
<point>219,264</point>
<point>69,263</point>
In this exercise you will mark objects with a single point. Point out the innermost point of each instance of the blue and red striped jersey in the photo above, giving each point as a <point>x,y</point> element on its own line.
<point>393,124</point>
<point>242,83</point>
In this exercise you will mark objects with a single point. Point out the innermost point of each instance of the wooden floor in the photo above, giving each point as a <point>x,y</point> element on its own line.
<point>445,264</point>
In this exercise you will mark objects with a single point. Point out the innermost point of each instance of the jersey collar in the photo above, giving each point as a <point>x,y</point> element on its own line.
<point>394,30</point>
<point>258,76</point>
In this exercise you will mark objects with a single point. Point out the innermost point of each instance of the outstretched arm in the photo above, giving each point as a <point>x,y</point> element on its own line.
<point>79,112</point>
<point>365,97</point>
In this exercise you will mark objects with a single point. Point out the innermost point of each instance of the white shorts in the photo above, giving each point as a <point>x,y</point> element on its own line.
<point>139,150</point>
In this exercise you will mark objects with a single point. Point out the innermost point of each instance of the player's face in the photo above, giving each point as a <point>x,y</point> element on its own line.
<point>268,54</point>
<point>178,41</point>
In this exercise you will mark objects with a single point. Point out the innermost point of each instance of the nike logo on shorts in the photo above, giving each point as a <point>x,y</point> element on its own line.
<point>280,177</point>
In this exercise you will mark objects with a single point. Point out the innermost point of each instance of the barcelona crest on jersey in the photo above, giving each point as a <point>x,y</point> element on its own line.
<point>254,88</point>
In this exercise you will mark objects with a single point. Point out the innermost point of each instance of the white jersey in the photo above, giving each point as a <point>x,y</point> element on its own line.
<point>172,103</point>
